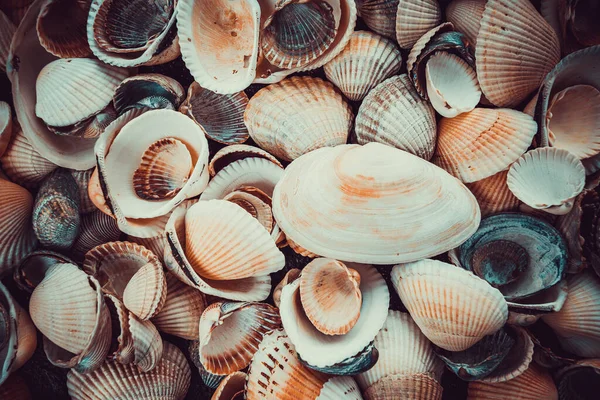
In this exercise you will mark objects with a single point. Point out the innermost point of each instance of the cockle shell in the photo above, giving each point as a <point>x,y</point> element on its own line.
<point>61,27</point>
<point>493,195</point>
<point>15,388</point>
<point>170,380</point>
<point>414,387</point>
<point>357,191</point>
<point>154,244</point>
<point>7,30</point>
<point>465,15</point>
<point>379,15</point>
<point>365,62</point>
<point>153,91</point>
<point>221,115</point>
<point>230,387</point>
<point>96,228</point>
<point>230,154</point>
<point>513,61</point>
<point>136,297</point>
<point>414,18</point>
<point>548,179</point>
<point>458,150</point>
<point>256,207</point>
<point>6,126</point>
<point>394,114</point>
<point>231,332</point>
<point>535,383</point>
<point>34,266</point>
<point>432,291</point>
<point>82,179</point>
<point>304,114</point>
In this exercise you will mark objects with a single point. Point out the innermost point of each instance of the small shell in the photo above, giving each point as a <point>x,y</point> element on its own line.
<point>96,228</point>
<point>513,61</point>
<point>6,125</point>
<point>414,19</point>
<point>465,15</point>
<point>170,380</point>
<point>394,114</point>
<point>414,387</point>
<point>379,16</point>
<point>548,179</point>
<point>229,154</point>
<point>289,277</point>
<point>61,27</point>
<point>152,91</point>
<point>7,30</point>
<point>365,62</point>
<point>443,289</point>
<point>493,195</point>
<point>82,179</point>
<point>230,386</point>
<point>231,332</point>
<point>452,85</point>
<point>221,115</point>
<point>327,286</point>
<point>535,383</point>
<point>508,133</point>
<point>146,291</point>
<point>303,114</point>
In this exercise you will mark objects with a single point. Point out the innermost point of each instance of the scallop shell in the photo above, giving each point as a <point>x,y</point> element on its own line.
<point>231,332</point>
<point>321,350</point>
<point>6,124</point>
<point>452,85</point>
<point>358,191</point>
<point>414,19</point>
<point>513,61</point>
<point>394,114</point>
<point>289,277</point>
<point>535,383</point>
<point>465,15</point>
<point>219,42</point>
<point>170,380</point>
<point>548,179</point>
<point>82,179</point>
<point>80,343</point>
<point>97,228</point>
<point>153,91</point>
<point>230,154</point>
<point>7,30</point>
<point>221,115</point>
<point>210,380</point>
<point>442,291</point>
<point>414,387</point>
<point>458,150</point>
<point>493,195</point>
<point>304,114</point>
<point>61,27</point>
<point>230,386</point>
<point>15,388</point>
<point>379,15</point>
<point>180,315</point>
<point>365,62</point>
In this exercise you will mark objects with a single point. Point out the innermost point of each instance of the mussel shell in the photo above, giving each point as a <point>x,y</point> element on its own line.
<point>356,364</point>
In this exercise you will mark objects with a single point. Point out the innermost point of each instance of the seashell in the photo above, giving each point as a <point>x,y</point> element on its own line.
<point>15,388</point>
<point>416,386</point>
<point>210,380</point>
<point>6,124</point>
<point>394,114</point>
<point>484,309</point>
<point>458,152</point>
<point>231,332</point>
<point>230,386</point>
<point>89,128</point>
<point>582,374</point>
<point>404,351</point>
<point>136,296</point>
<point>170,380</point>
<point>154,244</point>
<point>23,164</point>
<point>132,33</point>
<point>507,77</point>
<point>379,16</point>
<point>151,91</point>
<point>180,315</point>
<point>230,154</point>
<point>518,359</point>
<point>493,195</point>
<point>18,337</point>
<point>548,179</point>
<point>255,288</point>
<point>80,343</point>
<point>465,15</point>
<point>414,18</point>
<point>96,194</point>
<point>61,27</point>
<point>534,383</point>
<point>7,30</point>
<point>221,115</point>
<point>321,350</point>
<point>291,125</point>
<point>219,44</point>
<point>97,228</point>
<point>259,210</point>
<point>338,387</point>
<point>82,179</point>
<point>365,62</point>
<point>34,267</point>
<point>452,84</point>
<point>327,285</point>
<point>525,312</point>
<point>289,277</point>
<point>359,191</point>
<point>56,220</point>
<point>350,366</point>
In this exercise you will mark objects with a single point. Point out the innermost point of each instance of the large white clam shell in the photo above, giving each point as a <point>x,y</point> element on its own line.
<point>357,203</point>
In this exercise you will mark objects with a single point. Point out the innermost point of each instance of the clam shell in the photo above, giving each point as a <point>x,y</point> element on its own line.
<point>452,85</point>
<point>414,387</point>
<point>379,15</point>
<point>512,62</point>
<point>458,150</point>
<point>6,125</point>
<point>34,266</point>
<point>414,18</point>
<point>394,114</point>
<point>465,15</point>
<point>493,195</point>
<point>303,114</point>
<point>221,115</point>
<point>432,291</point>
<point>7,30</point>
<point>289,277</point>
<point>321,350</point>
<point>97,228</point>
<point>61,27</point>
<point>219,42</point>
<point>153,91</point>
<point>230,154</point>
<point>231,332</point>
<point>170,380</point>
<point>365,62</point>
<point>82,179</point>
<point>180,315</point>
<point>23,164</point>
<point>334,173</point>
<point>535,383</point>
<point>15,388</point>
<point>146,291</point>
<point>548,179</point>
<point>230,386</point>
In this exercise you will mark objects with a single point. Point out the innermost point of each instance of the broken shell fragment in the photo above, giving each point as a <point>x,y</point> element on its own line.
<point>151,91</point>
<point>465,15</point>
<point>61,27</point>
<point>414,18</point>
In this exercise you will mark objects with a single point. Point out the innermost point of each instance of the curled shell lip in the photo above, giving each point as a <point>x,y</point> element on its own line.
<point>230,154</point>
<point>61,28</point>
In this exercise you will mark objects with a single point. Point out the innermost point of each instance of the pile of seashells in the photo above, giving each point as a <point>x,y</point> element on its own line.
<point>449,154</point>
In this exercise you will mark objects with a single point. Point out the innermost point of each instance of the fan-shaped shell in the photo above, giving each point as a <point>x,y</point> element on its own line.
<point>365,62</point>
<point>296,116</point>
<point>414,18</point>
<point>442,290</point>
<point>61,27</point>
<point>513,61</point>
<point>459,151</point>
<point>154,91</point>
<point>394,114</point>
<point>230,154</point>
<point>493,195</point>
<point>535,383</point>
<point>96,228</point>
<point>414,386</point>
<point>360,179</point>
<point>379,16</point>
<point>465,15</point>
<point>6,126</point>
